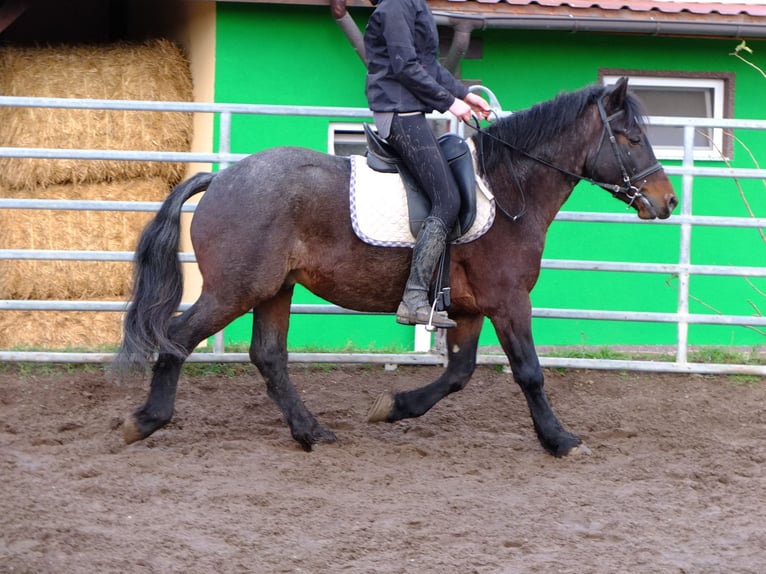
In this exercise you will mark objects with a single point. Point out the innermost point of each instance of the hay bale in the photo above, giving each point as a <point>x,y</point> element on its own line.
<point>53,330</point>
<point>74,230</point>
<point>156,70</point>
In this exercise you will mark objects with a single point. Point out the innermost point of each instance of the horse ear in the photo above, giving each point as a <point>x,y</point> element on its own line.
<point>617,94</point>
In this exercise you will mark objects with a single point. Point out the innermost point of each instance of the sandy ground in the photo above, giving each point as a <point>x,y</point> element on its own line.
<point>675,481</point>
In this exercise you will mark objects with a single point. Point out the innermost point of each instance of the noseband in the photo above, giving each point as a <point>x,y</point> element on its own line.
<point>628,187</point>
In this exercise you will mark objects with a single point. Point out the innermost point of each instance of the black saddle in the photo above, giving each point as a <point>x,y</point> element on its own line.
<point>381,156</point>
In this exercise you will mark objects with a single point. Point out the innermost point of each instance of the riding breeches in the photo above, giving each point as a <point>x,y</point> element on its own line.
<point>412,137</point>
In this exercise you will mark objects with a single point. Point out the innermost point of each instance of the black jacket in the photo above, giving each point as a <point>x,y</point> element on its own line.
<point>403,70</point>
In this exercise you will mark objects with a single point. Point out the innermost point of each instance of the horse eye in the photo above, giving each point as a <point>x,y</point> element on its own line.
<point>634,140</point>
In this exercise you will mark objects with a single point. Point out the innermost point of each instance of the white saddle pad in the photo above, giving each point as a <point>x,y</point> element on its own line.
<point>379,213</point>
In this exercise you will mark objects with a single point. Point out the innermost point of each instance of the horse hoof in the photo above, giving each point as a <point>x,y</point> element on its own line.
<point>580,449</point>
<point>382,409</point>
<point>318,434</point>
<point>324,435</point>
<point>130,430</point>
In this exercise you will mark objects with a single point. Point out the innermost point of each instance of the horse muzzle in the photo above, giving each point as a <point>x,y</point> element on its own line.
<point>649,208</point>
<point>655,199</point>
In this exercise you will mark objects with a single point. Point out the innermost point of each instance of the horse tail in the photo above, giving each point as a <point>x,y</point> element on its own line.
<point>157,280</point>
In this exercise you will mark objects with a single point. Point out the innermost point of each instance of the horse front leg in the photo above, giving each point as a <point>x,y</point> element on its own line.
<point>462,343</point>
<point>515,334</point>
<point>268,352</point>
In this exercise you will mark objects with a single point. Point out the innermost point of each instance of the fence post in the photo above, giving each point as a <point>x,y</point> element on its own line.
<point>684,259</point>
<point>224,147</point>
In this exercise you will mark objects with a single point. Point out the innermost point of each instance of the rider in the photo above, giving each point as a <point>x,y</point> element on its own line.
<point>404,82</point>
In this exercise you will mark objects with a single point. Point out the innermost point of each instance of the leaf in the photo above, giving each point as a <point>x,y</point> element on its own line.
<point>743,46</point>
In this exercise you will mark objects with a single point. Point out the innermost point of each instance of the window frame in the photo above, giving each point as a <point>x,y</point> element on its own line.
<point>334,128</point>
<point>722,85</point>
<point>440,125</point>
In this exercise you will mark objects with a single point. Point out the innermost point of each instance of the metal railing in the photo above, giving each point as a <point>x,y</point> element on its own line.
<point>684,269</point>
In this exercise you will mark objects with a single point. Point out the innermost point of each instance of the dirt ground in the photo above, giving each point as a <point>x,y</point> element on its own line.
<point>675,481</point>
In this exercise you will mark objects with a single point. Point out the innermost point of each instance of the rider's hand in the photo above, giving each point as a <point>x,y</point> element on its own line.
<point>472,105</point>
<point>461,110</point>
<point>479,105</point>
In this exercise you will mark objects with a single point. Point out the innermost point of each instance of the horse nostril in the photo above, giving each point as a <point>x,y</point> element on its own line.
<point>671,200</point>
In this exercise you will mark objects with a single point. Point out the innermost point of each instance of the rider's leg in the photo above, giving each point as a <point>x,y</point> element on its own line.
<point>412,137</point>
<point>415,308</point>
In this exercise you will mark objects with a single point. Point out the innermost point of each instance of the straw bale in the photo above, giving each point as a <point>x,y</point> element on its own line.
<point>156,70</point>
<point>59,329</point>
<point>74,230</point>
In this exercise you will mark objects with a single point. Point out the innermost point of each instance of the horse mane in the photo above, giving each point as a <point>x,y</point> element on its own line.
<point>534,129</point>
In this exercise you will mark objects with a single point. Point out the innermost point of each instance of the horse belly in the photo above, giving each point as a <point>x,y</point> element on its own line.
<point>356,276</point>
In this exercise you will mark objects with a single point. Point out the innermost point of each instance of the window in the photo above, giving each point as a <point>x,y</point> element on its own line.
<point>683,95</point>
<point>349,139</point>
<point>346,139</point>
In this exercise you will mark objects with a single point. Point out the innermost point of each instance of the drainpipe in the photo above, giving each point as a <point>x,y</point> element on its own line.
<point>350,29</point>
<point>462,29</point>
<point>462,33</point>
<point>464,25</point>
<point>10,11</point>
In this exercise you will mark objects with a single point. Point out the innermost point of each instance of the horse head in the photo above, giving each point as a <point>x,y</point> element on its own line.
<point>624,163</point>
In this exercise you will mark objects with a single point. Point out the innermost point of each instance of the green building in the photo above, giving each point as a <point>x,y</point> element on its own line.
<point>682,59</point>
<point>289,54</point>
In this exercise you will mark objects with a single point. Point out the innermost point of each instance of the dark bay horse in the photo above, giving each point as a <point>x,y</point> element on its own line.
<point>281,217</point>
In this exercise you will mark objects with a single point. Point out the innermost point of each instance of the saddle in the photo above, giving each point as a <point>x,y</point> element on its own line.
<point>382,157</point>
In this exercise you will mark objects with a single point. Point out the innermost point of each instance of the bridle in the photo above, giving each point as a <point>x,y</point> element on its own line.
<point>629,189</point>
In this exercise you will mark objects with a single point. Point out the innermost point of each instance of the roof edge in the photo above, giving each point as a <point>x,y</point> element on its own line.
<point>601,24</point>
<point>586,18</point>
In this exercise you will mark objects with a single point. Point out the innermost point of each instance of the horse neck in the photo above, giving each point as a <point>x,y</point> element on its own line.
<point>544,188</point>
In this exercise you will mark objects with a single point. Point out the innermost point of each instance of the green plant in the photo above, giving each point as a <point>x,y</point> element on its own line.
<point>737,53</point>
<point>722,355</point>
<point>745,379</point>
<point>226,370</point>
<point>32,369</point>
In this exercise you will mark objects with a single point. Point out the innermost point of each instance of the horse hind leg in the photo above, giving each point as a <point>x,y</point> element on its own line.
<point>462,343</point>
<point>268,352</point>
<point>158,409</point>
<point>187,330</point>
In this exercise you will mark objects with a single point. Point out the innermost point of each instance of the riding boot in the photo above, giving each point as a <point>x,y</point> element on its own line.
<point>415,308</point>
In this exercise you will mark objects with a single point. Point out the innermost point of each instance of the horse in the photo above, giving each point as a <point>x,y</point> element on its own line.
<point>280,217</point>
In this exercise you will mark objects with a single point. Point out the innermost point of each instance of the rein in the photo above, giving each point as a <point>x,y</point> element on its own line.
<point>628,187</point>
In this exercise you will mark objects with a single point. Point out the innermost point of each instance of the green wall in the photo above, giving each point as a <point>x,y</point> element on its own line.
<point>297,55</point>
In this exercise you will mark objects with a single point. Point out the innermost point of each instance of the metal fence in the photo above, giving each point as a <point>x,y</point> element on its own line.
<point>684,269</point>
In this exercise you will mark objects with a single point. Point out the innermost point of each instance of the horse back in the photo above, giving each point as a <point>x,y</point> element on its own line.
<point>277,187</point>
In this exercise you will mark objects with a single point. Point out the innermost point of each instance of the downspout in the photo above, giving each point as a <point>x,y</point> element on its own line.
<point>460,40</point>
<point>350,29</point>
<point>464,25</point>
<point>10,11</point>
